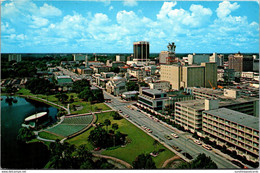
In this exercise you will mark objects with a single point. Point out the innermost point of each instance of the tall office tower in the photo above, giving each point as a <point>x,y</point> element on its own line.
<point>240,62</point>
<point>141,51</point>
<point>219,59</point>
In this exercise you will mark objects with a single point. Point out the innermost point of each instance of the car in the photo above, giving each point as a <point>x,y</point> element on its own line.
<point>138,110</point>
<point>176,148</point>
<point>167,137</point>
<point>120,111</point>
<point>150,131</point>
<point>188,155</point>
<point>208,147</point>
<point>127,116</point>
<point>97,149</point>
<point>174,135</point>
<point>197,141</point>
<point>143,127</point>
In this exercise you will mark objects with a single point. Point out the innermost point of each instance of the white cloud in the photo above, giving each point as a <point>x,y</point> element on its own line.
<point>166,8</point>
<point>48,10</point>
<point>225,8</point>
<point>130,3</point>
<point>111,8</point>
<point>6,28</point>
<point>38,22</point>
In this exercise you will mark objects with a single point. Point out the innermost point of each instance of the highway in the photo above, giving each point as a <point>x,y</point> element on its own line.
<point>159,130</point>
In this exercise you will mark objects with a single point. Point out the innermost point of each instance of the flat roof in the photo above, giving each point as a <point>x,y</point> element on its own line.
<point>153,91</point>
<point>237,117</point>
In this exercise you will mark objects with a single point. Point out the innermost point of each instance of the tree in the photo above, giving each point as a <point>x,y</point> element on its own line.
<point>132,86</point>
<point>114,126</point>
<point>80,85</point>
<point>86,94</point>
<point>107,123</point>
<point>39,86</point>
<point>144,162</point>
<point>25,134</point>
<point>115,115</point>
<point>99,137</point>
<point>201,162</point>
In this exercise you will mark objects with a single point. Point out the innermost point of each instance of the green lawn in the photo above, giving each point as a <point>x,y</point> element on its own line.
<point>47,135</point>
<point>140,142</point>
<point>24,91</point>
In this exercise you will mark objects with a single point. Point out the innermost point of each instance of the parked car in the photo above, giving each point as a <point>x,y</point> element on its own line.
<point>197,141</point>
<point>208,147</point>
<point>167,137</point>
<point>188,155</point>
<point>176,148</point>
<point>174,135</point>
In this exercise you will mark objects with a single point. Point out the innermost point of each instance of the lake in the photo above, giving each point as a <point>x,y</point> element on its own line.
<point>13,154</point>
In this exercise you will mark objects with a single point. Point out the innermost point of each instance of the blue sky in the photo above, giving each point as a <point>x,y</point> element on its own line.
<point>104,26</point>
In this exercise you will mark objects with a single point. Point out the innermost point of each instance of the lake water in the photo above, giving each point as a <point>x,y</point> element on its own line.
<point>13,154</point>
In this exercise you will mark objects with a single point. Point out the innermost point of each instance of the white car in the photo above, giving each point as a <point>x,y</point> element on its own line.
<point>197,141</point>
<point>174,135</point>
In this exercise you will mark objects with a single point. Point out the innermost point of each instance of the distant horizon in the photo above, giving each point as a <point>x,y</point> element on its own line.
<point>149,53</point>
<point>45,26</point>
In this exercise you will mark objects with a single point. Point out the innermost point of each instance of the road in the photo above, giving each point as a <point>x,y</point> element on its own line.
<point>159,130</point>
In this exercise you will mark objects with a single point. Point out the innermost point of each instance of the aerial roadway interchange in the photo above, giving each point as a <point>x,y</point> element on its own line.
<point>159,131</point>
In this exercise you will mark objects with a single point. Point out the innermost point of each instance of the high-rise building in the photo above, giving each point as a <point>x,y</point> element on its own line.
<point>190,76</point>
<point>15,57</point>
<point>141,50</point>
<point>218,59</point>
<point>240,62</point>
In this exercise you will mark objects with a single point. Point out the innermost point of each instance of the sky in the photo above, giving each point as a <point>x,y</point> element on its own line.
<point>107,26</point>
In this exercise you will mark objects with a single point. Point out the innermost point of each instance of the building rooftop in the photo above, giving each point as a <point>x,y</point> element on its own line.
<point>153,91</point>
<point>130,92</point>
<point>237,117</point>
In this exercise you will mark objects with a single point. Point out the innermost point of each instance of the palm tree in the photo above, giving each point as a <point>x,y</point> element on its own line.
<point>107,123</point>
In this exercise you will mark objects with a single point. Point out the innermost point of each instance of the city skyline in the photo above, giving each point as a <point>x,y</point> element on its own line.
<point>112,26</point>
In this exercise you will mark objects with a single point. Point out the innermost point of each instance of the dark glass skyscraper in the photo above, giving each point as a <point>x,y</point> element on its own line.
<point>141,50</point>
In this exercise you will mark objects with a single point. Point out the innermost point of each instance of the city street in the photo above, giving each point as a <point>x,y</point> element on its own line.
<point>159,130</point>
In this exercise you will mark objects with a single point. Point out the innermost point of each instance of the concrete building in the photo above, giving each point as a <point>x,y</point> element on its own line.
<point>218,59</point>
<point>120,58</point>
<point>160,85</point>
<point>99,69</point>
<point>141,51</point>
<point>226,75</point>
<point>188,76</point>
<point>229,98</point>
<point>139,73</point>
<point>197,59</point>
<point>116,85</point>
<point>166,57</point>
<point>129,95</point>
<point>238,131</point>
<point>79,57</point>
<point>15,57</point>
<point>117,64</point>
<point>84,70</point>
<point>152,98</point>
<point>240,62</point>
<point>249,75</point>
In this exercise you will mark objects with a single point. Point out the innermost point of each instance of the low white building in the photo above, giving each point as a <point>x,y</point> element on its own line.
<point>129,95</point>
<point>249,75</point>
<point>160,85</point>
